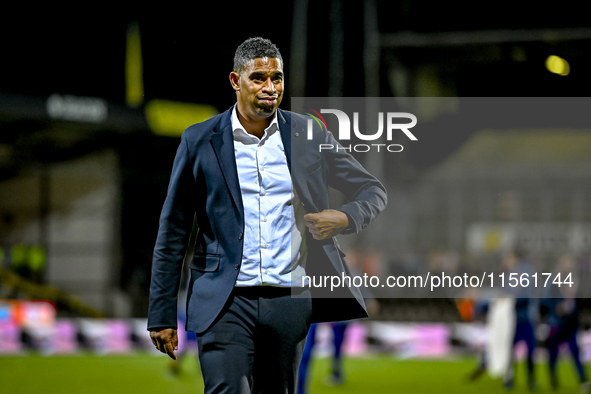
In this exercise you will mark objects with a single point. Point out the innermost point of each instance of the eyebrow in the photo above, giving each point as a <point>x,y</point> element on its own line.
<point>260,73</point>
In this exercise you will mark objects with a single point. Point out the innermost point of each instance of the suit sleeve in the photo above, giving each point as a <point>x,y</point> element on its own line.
<point>176,221</point>
<point>366,194</point>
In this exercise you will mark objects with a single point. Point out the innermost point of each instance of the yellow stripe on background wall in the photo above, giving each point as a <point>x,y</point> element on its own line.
<point>171,118</point>
<point>134,78</point>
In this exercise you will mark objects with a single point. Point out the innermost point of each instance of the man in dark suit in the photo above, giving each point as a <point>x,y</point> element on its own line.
<point>258,189</point>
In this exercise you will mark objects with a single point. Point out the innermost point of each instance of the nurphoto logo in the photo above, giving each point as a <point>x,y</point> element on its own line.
<point>344,132</point>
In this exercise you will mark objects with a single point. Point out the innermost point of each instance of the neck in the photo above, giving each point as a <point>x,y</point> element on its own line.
<point>254,126</point>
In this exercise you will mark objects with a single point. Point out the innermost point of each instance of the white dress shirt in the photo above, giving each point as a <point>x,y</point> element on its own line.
<point>274,250</point>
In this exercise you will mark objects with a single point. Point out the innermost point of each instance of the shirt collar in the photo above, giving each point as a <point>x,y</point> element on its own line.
<point>239,130</point>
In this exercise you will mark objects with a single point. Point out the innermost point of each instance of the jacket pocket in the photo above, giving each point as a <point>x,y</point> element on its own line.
<point>205,263</point>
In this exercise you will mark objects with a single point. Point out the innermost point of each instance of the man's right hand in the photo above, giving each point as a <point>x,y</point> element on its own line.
<point>165,340</point>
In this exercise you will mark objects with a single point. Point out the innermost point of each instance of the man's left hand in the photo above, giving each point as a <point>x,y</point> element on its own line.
<point>326,224</point>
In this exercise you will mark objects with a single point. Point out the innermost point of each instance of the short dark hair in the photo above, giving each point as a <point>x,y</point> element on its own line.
<point>253,48</point>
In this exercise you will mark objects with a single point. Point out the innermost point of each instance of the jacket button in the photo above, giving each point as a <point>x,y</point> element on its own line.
<point>364,225</point>
<point>297,134</point>
<point>237,266</point>
<point>240,236</point>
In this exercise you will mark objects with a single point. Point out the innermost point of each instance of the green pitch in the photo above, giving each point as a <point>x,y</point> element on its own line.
<point>148,374</point>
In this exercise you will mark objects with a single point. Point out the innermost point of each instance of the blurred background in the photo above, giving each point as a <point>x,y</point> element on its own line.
<point>93,102</point>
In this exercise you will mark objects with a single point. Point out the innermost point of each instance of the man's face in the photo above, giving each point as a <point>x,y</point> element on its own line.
<point>259,87</point>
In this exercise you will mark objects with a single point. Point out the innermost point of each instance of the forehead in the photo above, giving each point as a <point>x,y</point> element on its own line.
<point>264,64</point>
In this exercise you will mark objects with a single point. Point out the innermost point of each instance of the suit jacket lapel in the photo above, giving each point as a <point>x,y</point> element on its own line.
<point>222,141</point>
<point>293,137</point>
<point>284,121</point>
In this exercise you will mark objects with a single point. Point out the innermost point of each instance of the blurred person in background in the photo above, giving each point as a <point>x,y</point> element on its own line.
<point>560,306</point>
<point>236,173</point>
<point>511,315</point>
<point>471,308</point>
<point>337,376</point>
<point>358,265</point>
<point>498,311</point>
<point>527,309</point>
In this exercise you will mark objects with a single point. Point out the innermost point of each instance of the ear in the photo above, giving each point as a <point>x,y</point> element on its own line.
<point>235,80</point>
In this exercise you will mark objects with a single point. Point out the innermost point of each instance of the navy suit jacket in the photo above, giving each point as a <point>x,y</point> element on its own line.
<point>204,182</point>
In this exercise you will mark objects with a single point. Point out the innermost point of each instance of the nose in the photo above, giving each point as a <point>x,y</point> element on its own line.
<point>269,86</point>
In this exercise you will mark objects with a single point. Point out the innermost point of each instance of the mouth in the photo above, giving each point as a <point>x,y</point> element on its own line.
<point>268,100</point>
